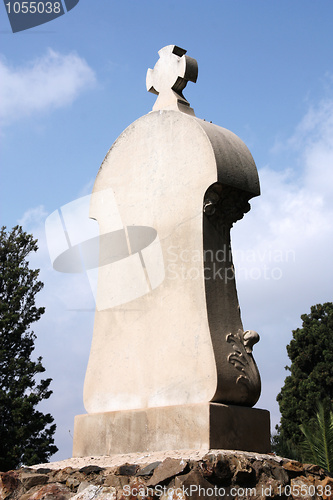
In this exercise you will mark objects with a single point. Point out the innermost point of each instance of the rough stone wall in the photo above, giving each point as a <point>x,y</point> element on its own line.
<point>218,475</point>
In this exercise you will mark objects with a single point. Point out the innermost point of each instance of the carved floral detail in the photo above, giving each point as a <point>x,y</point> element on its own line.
<point>250,338</point>
<point>241,357</point>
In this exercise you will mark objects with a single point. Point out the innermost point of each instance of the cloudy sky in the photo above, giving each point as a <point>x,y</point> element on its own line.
<point>71,86</point>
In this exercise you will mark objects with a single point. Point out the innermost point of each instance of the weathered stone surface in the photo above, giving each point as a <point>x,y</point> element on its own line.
<point>96,492</point>
<point>55,491</point>
<point>167,469</point>
<point>60,476</point>
<point>222,470</point>
<point>127,470</point>
<point>326,486</point>
<point>29,479</point>
<point>90,469</point>
<point>269,488</point>
<point>279,474</point>
<point>195,486</point>
<point>300,488</point>
<point>9,482</point>
<point>294,468</point>
<point>72,483</point>
<point>314,469</point>
<point>116,481</point>
<point>83,486</point>
<point>173,494</point>
<point>244,473</point>
<point>148,470</point>
<point>136,489</point>
<point>206,466</point>
<point>223,475</point>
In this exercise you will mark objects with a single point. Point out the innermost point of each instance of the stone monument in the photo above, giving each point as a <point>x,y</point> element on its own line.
<point>171,366</point>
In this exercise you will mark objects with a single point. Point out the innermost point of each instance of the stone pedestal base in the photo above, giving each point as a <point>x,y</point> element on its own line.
<point>199,426</point>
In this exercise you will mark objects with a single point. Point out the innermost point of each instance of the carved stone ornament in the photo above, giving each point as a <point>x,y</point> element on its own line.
<point>242,360</point>
<point>225,205</point>
<point>169,78</point>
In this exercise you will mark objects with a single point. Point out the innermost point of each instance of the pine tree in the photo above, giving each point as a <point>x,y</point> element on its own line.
<point>311,377</point>
<point>26,434</point>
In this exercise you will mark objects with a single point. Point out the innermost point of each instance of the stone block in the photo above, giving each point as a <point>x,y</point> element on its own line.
<point>200,426</point>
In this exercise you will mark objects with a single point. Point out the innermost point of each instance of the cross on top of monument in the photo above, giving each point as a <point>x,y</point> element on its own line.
<point>169,78</point>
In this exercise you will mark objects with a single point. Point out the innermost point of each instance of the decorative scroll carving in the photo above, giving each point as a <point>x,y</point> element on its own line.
<point>250,338</point>
<point>225,205</point>
<point>241,357</point>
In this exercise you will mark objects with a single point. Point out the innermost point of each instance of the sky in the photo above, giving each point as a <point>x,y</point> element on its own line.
<point>69,87</point>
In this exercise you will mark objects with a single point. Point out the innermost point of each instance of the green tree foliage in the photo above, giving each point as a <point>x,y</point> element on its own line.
<point>317,446</point>
<point>310,380</point>
<point>26,434</point>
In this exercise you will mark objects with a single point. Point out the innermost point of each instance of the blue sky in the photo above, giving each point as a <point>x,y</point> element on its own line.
<point>70,87</point>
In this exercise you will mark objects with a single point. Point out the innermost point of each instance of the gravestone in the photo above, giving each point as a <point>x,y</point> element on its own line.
<point>171,365</point>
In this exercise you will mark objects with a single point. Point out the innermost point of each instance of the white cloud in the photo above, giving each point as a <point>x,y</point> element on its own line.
<point>34,216</point>
<point>314,137</point>
<point>295,210</point>
<point>290,228</point>
<point>51,81</point>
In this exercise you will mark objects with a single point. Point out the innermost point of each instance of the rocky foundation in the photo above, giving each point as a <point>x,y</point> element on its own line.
<point>215,475</point>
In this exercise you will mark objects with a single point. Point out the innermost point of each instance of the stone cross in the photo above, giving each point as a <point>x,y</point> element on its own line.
<point>171,365</point>
<point>169,78</point>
